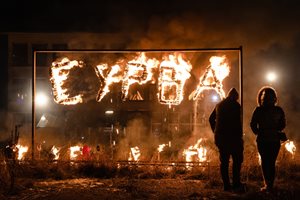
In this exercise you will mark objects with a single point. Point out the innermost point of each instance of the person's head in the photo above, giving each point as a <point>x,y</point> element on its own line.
<point>267,96</point>
<point>233,94</point>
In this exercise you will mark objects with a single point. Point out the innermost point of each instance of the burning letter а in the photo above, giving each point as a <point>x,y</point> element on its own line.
<point>173,73</point>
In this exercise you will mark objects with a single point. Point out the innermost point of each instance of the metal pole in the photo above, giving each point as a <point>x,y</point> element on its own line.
<point>241,83</point>
<point>111,141</point>
<point>33,104</point>
<point>136,50</point>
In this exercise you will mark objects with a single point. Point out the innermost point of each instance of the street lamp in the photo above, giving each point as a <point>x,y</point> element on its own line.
<point>109,112</point>
<point>112,143</point>
<point>41,100</point>
<point>271,77</point>
<point>215,98</point>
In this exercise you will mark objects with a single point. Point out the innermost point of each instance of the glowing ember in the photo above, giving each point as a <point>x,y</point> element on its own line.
<point>134,154</point>
<point>215,73</point>
<point>161,147</point>
<point>174,71</point>
<point>21,151</point>
<point>259,159</point>
<point>139,70</point>
<point>195,150</point>
<point>290,147</point>
<point>58,75</point>
<point>107,76</point>
<point>74,152</point>
<point>55,152</point>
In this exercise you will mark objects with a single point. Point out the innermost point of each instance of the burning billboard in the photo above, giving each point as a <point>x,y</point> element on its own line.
<point>172,70</point>
<point>98,95</point>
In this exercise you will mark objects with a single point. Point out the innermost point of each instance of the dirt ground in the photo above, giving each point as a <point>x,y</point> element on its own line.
<point>91,181</point>
<point>122,188</point>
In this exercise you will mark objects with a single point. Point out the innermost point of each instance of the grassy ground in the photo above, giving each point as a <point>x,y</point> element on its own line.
<point>107,180</point>
<point>63,180</point>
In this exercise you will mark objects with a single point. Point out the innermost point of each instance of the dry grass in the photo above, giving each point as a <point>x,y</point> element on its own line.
<point>288,173</point>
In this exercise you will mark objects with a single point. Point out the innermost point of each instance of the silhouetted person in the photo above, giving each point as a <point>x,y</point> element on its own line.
<point>267,120</point>
<point>226,123</point>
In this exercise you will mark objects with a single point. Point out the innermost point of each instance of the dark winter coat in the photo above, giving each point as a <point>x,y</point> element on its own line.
<point>266,122</point>
<point>226,123</point>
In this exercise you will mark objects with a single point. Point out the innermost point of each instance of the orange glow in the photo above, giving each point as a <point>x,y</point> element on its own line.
<point>290,147</point>
<point>195,153</point>
<point>174,71</point>
<point>107,76</point>
<point>55,150</point>
<point>75,151</point>
<point>161,147</point>
<point>134,154</point>
<point>215,73</point>
<point>138,70</point>
<point>58,75</point>
<point>21,151</point>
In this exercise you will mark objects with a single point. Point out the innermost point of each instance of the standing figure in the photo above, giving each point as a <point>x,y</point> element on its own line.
<point>226,123</point>
<point>267,121</point>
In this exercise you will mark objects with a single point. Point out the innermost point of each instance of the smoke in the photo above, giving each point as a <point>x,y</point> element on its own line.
<point>137,134</point>
<point>267,32</point>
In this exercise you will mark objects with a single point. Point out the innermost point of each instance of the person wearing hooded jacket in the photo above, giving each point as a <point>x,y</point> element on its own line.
<point>226,123</point>
<point>267,121</point>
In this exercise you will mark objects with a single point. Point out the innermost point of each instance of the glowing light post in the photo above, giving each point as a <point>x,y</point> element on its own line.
<point>271,77</point>
<point>111,142</point>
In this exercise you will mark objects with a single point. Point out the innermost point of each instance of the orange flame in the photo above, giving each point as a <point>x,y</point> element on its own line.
<point>134,154</point>
<point>55,150</point>
<point>290,147</point>
<point>58,75</point>
<point>74,152</point>
<point>161,147</point>
<point>174,71</point>
<point>109,77</point>
<point>139,70</point>
<point>215,73</point>
<point>21,151</point>
<point>194,150</point>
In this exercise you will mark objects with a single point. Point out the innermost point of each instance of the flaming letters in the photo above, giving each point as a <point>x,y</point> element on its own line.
<point>107,77</point>
<point>138,71</point>
<point>213,77</point>
<point>173,73</point>
<point>59,74</point>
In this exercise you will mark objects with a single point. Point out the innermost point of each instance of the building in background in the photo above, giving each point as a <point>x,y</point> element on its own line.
<point>94,123</point>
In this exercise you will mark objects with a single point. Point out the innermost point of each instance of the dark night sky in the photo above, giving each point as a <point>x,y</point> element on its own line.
<point>269,32</point>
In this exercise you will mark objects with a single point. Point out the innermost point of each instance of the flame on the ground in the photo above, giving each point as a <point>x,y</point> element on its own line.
<point>21,151</point>
<point>55,150</point>
<point>138,70</point>
<point>174,71</point>
<point>195,153</point>
<point>213,77</point>
<point>74,152</point>
<point>58,75</point>
<point>134,154</point>
<point>290,147</point>
<point>161,147</point>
